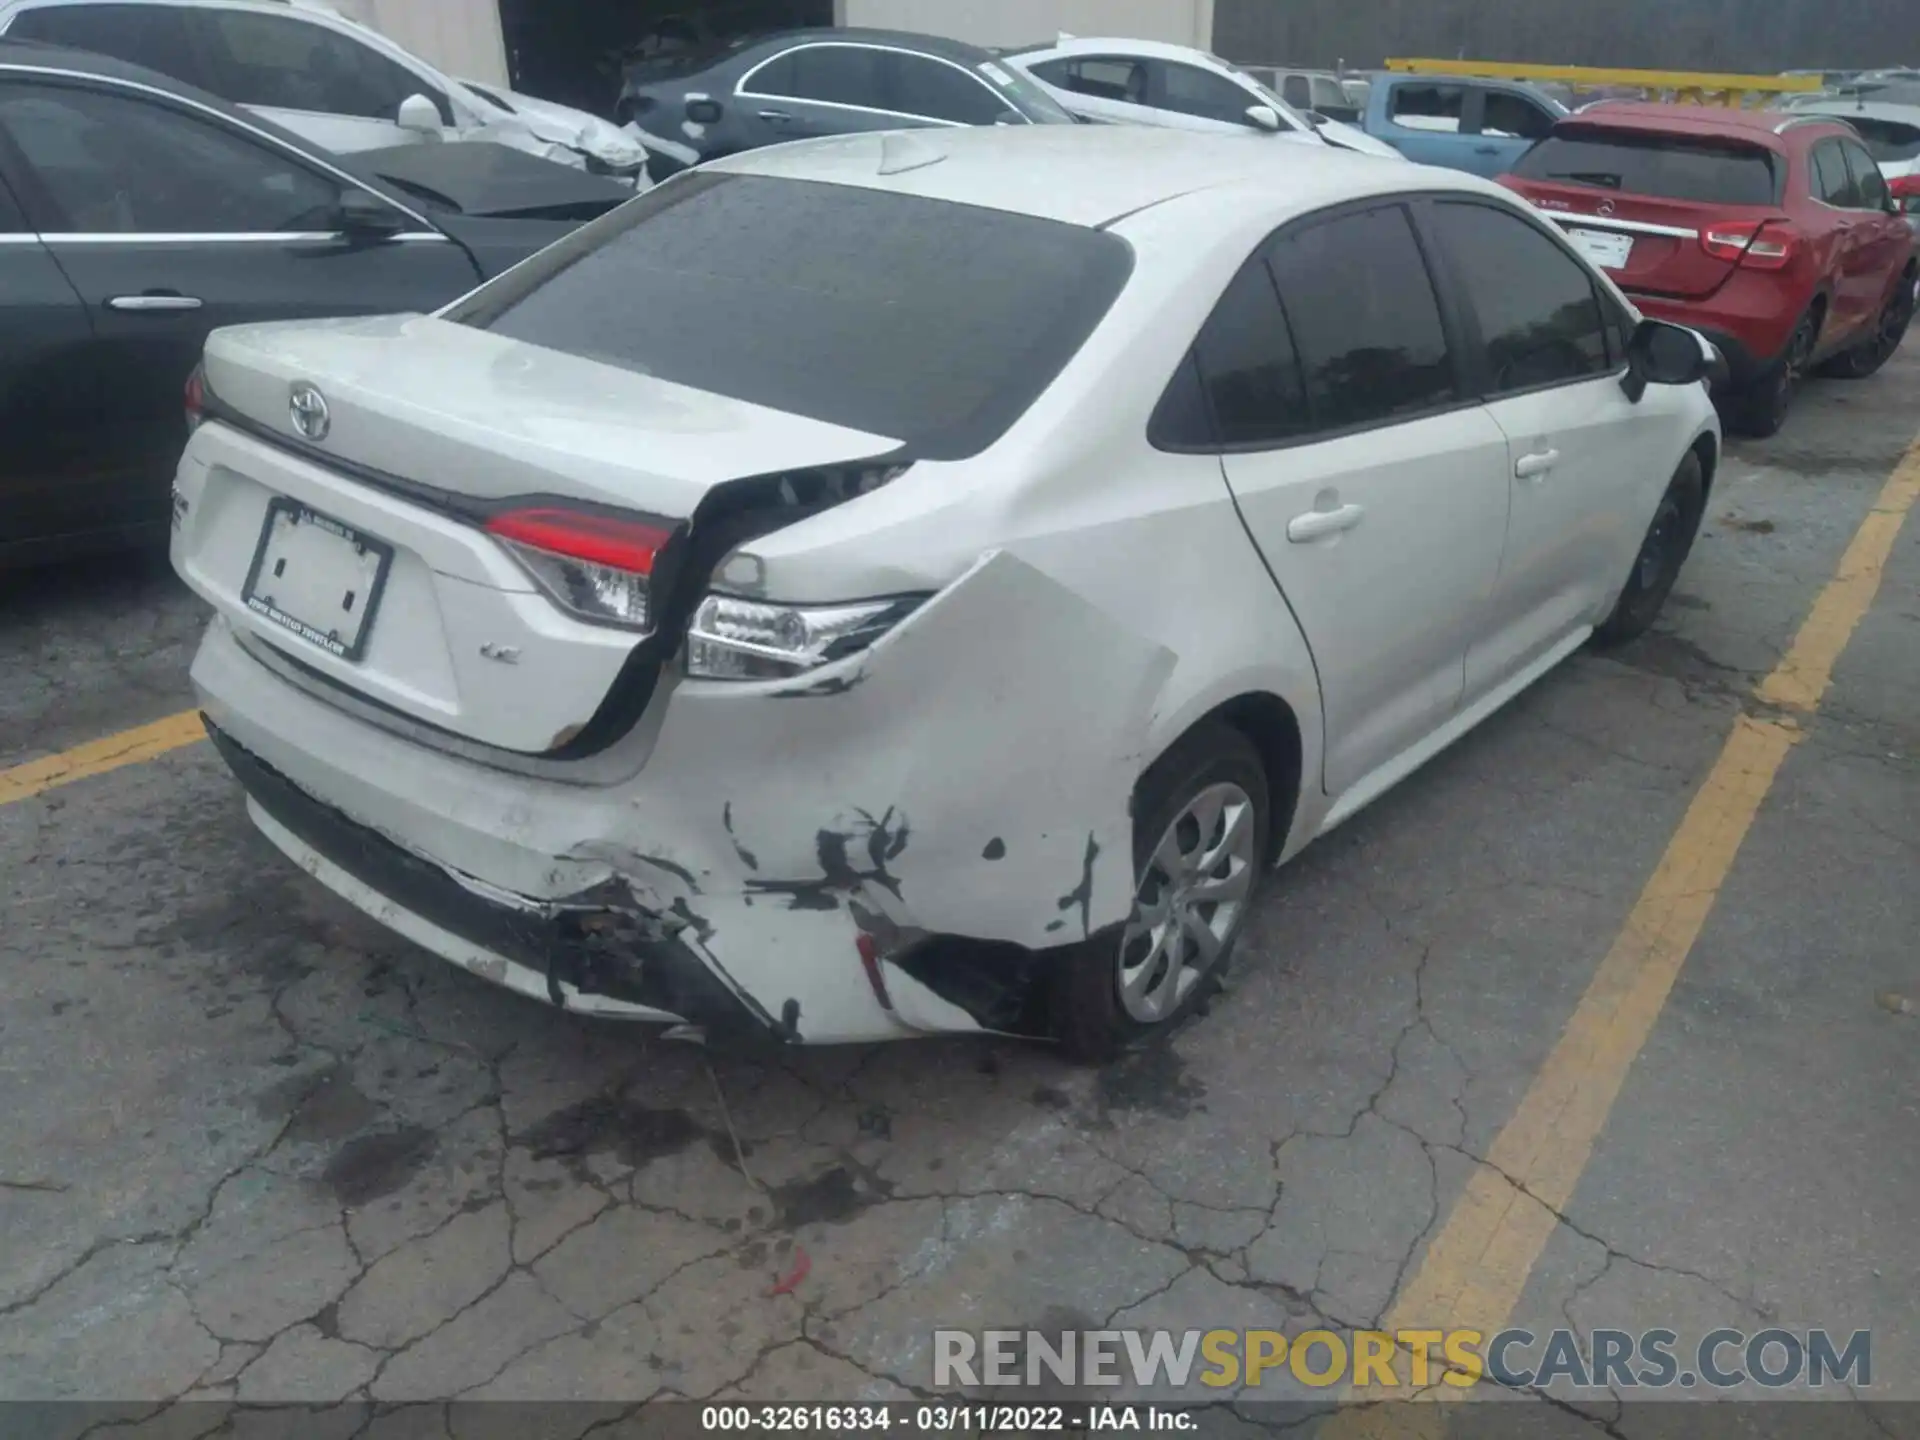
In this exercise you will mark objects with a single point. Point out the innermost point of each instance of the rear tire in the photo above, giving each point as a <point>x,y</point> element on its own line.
<point>1889,329</point>
<point>1201,822</point>
<point>1761,409</point>
<point>1669,540</point>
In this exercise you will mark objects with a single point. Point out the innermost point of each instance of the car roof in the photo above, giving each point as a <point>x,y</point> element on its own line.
<point>1762,127</point>
<point>1091,175</point>
<point>1115,45</point>
<point>939,45</point>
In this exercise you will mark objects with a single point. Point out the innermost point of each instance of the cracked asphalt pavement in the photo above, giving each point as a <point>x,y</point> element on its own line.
<point>254,1148</point>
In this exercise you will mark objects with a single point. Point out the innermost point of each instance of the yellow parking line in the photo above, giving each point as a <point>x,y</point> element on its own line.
<point>98,757</point>
<point>1478,1264</point>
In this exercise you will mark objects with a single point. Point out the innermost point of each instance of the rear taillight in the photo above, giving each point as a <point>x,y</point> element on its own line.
<point>196,398</point>
<point>1758,245</point>
<point>598,567</point>
<point>1905,187</point>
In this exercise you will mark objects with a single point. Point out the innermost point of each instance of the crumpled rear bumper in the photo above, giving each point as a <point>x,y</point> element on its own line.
<point>904,843</point>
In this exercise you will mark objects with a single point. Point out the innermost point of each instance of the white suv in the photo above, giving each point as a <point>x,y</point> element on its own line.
<point>327,78</point>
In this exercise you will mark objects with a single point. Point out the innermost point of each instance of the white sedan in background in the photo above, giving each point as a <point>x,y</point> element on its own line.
<point>329,79</point>
<point>912,583</point>
<point>1148,82</point>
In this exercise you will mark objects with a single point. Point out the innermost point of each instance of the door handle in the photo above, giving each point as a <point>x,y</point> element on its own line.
<point>778,117</point>
<point>1486,149</point>
<point>153,302</point>
<point>1532,467</point>
<point>1318,524</point>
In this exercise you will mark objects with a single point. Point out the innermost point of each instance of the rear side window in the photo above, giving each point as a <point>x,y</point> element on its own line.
<point>929,323</point>
<point>12,221</point>
<point>1248,370</point>
<point>1428,107</point>
<point>1364,317</point>
<point>1827,175</point>
<point>1888,141</point>
<point>1098,76</point>
<point>1671,167</point>
<point>1514,117</point>
<point>151,35</point>
<point>1869,185</point>
<point>1540,317</point>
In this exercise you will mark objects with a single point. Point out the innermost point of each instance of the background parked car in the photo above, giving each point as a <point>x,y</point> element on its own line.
<point>1481,126</point>
<point>136,215</point>
<point>1146,82</point>
<point>1891,133</point>
<point>321,75</point>
<point>1775,235</point>
<point>808,83</point>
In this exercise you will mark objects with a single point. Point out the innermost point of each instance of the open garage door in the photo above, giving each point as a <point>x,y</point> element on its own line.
<point>573,51</point>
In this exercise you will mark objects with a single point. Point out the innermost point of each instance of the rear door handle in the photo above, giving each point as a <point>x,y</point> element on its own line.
<point>1318,524</point>
<point>1486,149</point>
<point>778,117</point>
<point>1532,467</point>
<point>153,302</point>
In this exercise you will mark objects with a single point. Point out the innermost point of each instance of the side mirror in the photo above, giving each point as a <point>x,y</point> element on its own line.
<point>1263,117</point>
<point>1664,354</point>
<point>703,110</point>
<point>419,116</point>
<point>367,217</point>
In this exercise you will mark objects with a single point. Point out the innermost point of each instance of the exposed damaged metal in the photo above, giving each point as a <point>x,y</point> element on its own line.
<point>1081,896</point>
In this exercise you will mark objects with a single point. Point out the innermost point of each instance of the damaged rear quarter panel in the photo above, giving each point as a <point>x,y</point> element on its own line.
<point>969,775</point>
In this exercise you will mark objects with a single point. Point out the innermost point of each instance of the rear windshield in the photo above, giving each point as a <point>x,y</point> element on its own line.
<point>1887,140</point>
<point>1670,167</point>
<point>928,322</point>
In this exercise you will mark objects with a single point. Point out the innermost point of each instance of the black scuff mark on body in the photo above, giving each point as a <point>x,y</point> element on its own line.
<point>832,685</point>
<point>701,928</point>
<point>1081,895</point>
<point>678,871</point>
<point>747,857</point>
<point>996,849</point>
<point>884,840</point>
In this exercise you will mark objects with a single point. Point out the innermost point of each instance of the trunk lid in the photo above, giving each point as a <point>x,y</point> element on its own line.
<point>354,559</point>
<point>1637,202</point>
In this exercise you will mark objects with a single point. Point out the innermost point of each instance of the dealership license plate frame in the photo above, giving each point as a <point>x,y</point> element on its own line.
<point>371,581</point>
<point>1608,249</point>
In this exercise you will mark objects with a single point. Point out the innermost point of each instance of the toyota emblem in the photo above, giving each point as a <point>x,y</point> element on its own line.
<point>310,414</point>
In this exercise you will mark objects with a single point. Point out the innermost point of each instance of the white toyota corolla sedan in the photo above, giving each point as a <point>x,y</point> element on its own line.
<point>920,582</point>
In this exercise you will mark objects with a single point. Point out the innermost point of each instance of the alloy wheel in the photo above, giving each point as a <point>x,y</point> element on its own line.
<point>1191,896</point>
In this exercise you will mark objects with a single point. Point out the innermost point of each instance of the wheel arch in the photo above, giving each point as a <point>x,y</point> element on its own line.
<point>1271,726</point>
<point>1706,447</point>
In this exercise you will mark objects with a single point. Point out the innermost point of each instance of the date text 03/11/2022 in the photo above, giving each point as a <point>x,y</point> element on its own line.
<point>941,1419</point>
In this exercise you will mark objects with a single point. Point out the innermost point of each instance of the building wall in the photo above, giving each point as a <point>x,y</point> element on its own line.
<point>1028,22</point>
<point>461,37</point>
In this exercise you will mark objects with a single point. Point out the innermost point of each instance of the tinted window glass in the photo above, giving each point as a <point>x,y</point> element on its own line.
<point>1828,175</point>
<point>1514,117</point>
<point>1667,166</point>
<point>1106,79</point>
<point>1540,319</point>
<point>1189,90</point>
<point>837,74</point>
<point>923,86</point>
<point>297,65</point>
<point>1888,140</point>
<point>150,35</point>
<point>1327,94</point>
<point>116,165</point>
<point>12,221</point>
<point>1364,318</point>
<point>930,323</point>
<point>1297,92</point>
<point>1427,107</point>
<point>1247,365</point>
<point>1870,186</point>
<point>1021,93</point>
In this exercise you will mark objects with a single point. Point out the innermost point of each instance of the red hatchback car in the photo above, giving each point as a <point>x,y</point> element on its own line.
<point>1773,234</point>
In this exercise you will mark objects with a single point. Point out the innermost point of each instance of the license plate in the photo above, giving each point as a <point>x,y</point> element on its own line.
<point>1604,248</point>
<point>318,578</point>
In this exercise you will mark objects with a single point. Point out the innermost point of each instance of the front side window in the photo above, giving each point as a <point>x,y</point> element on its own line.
<point>151,35</point>
<point>1364,317</point>
<point>290,64</point>
<point>830,74</point>
<point>1100,76</point>
<point>1540,316</point>
<point>116,165</point>
<point>921,85</point>
<point>1189,90</point>
<point>1869,185</point>
<point>929,323</point>
<point>1514,117</point>
<point>1428,107</point>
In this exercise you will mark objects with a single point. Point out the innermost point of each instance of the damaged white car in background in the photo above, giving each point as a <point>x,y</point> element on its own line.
<point>913,583</point>
<point>325,76</point>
